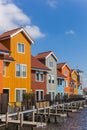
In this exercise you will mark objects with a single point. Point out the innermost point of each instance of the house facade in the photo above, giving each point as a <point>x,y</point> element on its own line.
<point>17,78</point>
<point>80,82</point>
<point>50,60</point>
<point>38,79</point>
<point>74,83</point>
<point>60,83</point>
<point>65,70</point>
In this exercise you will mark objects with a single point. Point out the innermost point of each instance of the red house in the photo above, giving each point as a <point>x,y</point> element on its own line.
<point>38,78</point>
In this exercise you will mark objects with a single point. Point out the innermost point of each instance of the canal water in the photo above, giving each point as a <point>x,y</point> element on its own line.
<point>75,121</point>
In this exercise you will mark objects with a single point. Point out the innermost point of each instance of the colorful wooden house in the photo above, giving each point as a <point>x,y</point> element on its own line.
<point>60,83</point>
<point>74,81</point>
<point>17,74</point>
<point>38,79</point>
<point>80,82</point>
<point>65,70</point>
<point>50,60</point>
<point>5,58</point>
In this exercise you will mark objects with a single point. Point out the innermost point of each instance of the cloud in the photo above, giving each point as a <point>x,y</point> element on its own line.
<point>70,32</point>
<point>12,17</point>
<point>52,3</point>
<point>34,31</point>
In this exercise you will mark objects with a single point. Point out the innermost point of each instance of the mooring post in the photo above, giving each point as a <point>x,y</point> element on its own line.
<point>33,118</point>
<point>45,114</point>
<point>48,115</point>
<point>6,118</point>
<point>21,121</point>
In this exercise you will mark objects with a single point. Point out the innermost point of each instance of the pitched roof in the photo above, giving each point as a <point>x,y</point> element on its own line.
<point>36,64</point>
<point>13,32</point>
<point>44,55</point>
<point>60,65</point>
<point>73,70</point>
<point>59,74</point>
<point>3,48</point>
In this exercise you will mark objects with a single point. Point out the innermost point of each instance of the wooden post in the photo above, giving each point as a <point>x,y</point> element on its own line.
<point>33,118</point>
<point>48,115</point>
<point>6,118</point>
<point>55,114</point>
<point>21,121</point>
<point>45,114</point>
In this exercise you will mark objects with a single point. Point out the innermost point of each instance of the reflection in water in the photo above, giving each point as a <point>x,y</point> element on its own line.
<point>75,121</point>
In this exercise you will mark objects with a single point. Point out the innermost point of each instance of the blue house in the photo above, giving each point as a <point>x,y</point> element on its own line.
<point>60,83</point>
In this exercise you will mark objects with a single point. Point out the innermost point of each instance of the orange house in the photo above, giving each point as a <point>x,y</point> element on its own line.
<point>17,78</point>
<point>74,76</point>
<point>4,58</point>
<point>65,70</point>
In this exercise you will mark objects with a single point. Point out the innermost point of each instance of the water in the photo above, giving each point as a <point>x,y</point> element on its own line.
<point>75,121</point>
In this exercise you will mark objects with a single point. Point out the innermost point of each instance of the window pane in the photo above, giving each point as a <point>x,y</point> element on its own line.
<point>23,70</point>
<point>17,95</point>
<point>19,47</point>
<point>37,76</point>
<point>41,77</point>
<point>22,47</point>
<point>17,69</point>
<point>37,95</point>
<point>41,95</point>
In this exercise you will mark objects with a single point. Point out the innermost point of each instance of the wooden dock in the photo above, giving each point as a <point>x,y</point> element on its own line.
<point>60,110</point>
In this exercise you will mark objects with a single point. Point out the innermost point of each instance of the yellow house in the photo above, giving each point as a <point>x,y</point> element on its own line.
<point>74,76</point>
<point>17,74</point>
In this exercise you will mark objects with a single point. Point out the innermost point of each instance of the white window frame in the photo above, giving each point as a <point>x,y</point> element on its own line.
<point>39,95</point>
<point>20,50</point>
<point>51,64</point>
<point>39,74</point>
<point>20,70</point>
<point>21,90</point>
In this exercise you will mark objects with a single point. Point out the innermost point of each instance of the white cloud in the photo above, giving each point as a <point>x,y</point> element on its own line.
<point>52,3</point>
<point>34,31</point>
<point>70,32</point>
<point>12,17</point>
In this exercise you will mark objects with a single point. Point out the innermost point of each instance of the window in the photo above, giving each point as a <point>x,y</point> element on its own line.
<point>51,64</point>
<point>52,77</point>
<point>19,95</point>
<point>20,70</point>
<point>65,73</point>
<point>39,76</point>
<point>20,47</point>
<point>66,83</point>
<point>4,69</point>
<point>39,95</point>
<point>49,79</point>
<point>59,81</point>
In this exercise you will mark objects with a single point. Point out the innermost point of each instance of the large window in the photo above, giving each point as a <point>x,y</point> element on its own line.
<point>19,95</point>
<point>20,47</point>
<point>21,70</point>
<point>39,95</point>
<point>39,76</point>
